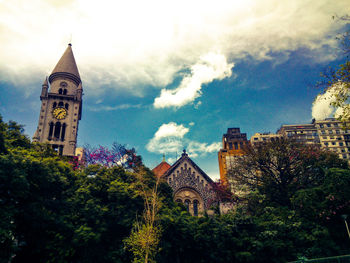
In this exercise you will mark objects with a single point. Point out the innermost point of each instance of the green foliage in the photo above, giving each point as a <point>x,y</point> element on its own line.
<point>52,213</point>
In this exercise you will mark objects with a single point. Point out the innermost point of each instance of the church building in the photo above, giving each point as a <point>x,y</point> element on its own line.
<point>190,184</point>
<point>61,106</point>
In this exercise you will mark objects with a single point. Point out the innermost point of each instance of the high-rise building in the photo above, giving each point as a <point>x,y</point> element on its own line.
<point>330,134</point>
<point>61,106</point>
<point>233,143</point>
<point>305,133</point>
<point>265,137</point>
<point>334,136</point>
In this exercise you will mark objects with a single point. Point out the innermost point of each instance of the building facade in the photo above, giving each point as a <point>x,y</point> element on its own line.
<point>305,133</point>
<point>191,186</point>
<point>61,106</point>
<point>233,143</point>
<point>334,136</point>
<point>260,138</point>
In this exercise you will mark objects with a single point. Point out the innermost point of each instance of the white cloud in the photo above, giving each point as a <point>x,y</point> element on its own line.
<point>210,67</point>
<point>113,108</point>
<point>170,138</point>
<point>171,130</point>
<point>197,148</point>
<point>127,45</point>
<point>322,108</point>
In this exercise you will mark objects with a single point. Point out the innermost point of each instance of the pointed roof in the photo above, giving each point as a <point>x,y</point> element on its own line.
<point>161,168</point>
<point>45,83</point>
<point>66,67</point>
<point>184,157</point>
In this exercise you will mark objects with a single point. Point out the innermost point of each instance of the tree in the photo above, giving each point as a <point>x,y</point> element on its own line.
<point>118,155</point>
<point>145,235</point>
<point>336,82</point>
<point>278,169</point>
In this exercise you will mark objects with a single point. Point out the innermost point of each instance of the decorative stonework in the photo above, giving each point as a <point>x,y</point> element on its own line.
<point>188,179</point>
<point>186,175</point>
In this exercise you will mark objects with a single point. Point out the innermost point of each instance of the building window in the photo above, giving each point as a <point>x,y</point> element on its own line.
<point>57,130</point>
<point>60,91</point>
<point>236,145</point>
<point>344,156</point>
<point>321,125</point>
<point>54,104</point>
<point>65,92</point>
<point>340,144</point>
<point>63,132</point>
<point>187,204</point>
<point>60,104</point>
<point>195,207</point>
<point>330,132</point>
<point>66,106</point>
<point>329,125</point>
<point>50,131</point>
<point>326,143</point>
<point>337,132</point>
<point>333,143</point>
<point>230,145</point>
<point>178,201</point>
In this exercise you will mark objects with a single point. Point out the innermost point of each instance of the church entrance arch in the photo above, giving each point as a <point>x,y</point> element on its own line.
<point>192,200</point>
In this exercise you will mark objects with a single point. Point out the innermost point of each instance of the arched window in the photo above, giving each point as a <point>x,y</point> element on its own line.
<point>66,106</point>
<point>50,131</point>
<point>65,92</point>
<point>195,207</point>
<point>178,201</point>
<point>60,104</point>
<point>54,104</point>
<point>56,134</point>
<point>63,133</point>
<point>187,204</point>
<point>60,91</point>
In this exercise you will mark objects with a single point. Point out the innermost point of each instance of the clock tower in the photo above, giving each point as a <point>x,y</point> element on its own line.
<point>61,106</point>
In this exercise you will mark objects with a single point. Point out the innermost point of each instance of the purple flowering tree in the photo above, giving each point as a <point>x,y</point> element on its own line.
<point>117,155</point>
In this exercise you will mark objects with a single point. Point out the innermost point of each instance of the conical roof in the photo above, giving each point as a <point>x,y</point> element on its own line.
<point>66,67</point>
<point>161,168</point>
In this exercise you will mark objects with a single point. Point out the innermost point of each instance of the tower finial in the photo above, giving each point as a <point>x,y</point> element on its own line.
<point>163,157</point>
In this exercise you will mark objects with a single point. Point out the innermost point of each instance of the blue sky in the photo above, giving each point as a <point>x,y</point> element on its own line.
<point>161,76</point>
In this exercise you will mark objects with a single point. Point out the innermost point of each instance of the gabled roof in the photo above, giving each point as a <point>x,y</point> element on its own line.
<point>161,168</point>
<point>66,67</point>
<point>184,157</point>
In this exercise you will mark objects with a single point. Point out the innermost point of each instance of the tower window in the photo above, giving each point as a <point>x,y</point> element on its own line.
<point>63,133</point>
<point>60,91</point>
<point>66,106</point>
<point>54,104</point>
<point>60,104</point>
<point>65,92</point>
<point>57,130</point>
<point>60,151</point>
<point>50,131</point>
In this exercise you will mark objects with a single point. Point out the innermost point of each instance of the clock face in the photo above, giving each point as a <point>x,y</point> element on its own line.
<point>59,113</point>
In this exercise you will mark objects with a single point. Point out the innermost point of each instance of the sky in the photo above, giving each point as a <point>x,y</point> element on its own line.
<point>162,76</point>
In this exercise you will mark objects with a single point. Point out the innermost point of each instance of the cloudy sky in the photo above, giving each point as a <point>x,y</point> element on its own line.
<point>163,75</point>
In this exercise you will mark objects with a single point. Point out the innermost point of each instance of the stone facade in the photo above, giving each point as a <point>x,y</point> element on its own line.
<point>191,186</point>
<point>61,106</point>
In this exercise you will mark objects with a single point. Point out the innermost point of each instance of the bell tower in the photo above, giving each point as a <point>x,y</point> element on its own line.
<point>61,106</point>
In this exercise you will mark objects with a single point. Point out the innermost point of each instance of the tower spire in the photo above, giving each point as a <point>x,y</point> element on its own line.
<point>66,67</point>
